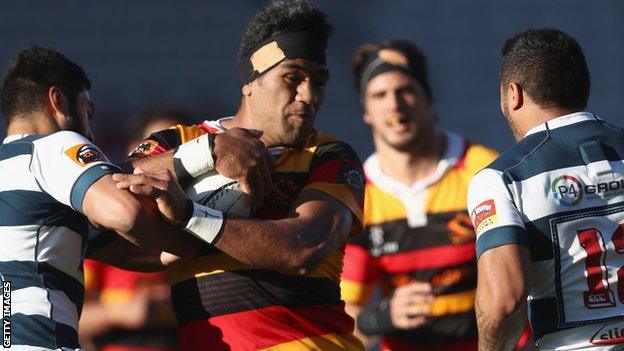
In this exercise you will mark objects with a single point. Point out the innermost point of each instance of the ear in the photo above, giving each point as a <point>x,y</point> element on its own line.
<point>367,118</point>
<point>57,102</point>
<point>515,96</point>
<point>246,90</point>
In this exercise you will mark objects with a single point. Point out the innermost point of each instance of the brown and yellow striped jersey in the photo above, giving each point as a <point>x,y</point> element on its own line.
<point>223,304</point>
<point>421,233</point>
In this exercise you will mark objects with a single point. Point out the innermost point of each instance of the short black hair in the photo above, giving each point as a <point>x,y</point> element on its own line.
<point>281,16</point>
<point>550,67</point>
<point>30,75</point>
<point>417,61</point>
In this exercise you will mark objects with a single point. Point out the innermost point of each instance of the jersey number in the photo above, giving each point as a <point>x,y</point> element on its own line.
<point>599,294</point>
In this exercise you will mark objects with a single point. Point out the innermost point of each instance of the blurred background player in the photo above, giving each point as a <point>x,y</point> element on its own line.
<point>549,211</point>
<point>271,282</point>
<point>124,310</point>
<point>418,245</point>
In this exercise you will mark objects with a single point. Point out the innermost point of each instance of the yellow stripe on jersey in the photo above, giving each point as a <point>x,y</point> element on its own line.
<point>116,296</point>
<point>356,293</point>
<point>391,209</point>
<point>444,305</point>
<point>327,342</point>
<point>217,263</point>
<point>188,133</point>
<point>449,194</point>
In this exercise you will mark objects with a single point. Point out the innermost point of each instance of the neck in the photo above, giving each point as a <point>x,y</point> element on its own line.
<point>35,124</point>
<point>417,163</point>
<point>244,119</point>
<point>533,116</point>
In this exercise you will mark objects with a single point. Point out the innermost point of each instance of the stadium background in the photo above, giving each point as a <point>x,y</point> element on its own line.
<point>183,53</point>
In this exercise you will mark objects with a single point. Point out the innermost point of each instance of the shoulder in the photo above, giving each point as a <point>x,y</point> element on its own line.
<point>329,147</point>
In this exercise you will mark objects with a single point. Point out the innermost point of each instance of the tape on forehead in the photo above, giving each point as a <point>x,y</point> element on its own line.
<point>385,60</point>
<point>289,45</point>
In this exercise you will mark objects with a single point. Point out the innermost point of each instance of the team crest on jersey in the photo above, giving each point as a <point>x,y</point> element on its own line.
<point>484,215</point>
<point>461,230</point>
<point>146,148</point>
<point>83,154</point>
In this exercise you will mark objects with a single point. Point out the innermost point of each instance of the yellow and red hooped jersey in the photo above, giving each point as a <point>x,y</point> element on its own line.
<point>421,233</point>
<point>223,304</point>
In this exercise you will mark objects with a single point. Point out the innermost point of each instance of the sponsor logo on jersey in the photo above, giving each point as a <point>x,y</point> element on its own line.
<point>83,154</point>
<point>484,215</point>
<point>608,334</point>
<point>353,178</point>
<point>569,190</point>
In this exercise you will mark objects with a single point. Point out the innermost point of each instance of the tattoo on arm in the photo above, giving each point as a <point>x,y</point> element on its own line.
<point>497,335</point>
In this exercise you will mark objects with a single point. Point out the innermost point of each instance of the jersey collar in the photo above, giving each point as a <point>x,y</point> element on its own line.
<point>11,138</point>
<point>563,121</point>
<point>452,154</point>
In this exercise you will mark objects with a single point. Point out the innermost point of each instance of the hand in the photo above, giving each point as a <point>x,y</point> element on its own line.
<point>133,314</point>
<point>170,198</point>
<point>410,304</point>
<point>243,157</point>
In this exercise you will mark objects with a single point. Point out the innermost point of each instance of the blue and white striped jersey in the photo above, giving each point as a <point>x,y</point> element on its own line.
<point>43,234</point>
<point>560,192</point>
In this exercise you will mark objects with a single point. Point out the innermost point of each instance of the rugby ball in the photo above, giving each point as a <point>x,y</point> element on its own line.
<point>221,193</point>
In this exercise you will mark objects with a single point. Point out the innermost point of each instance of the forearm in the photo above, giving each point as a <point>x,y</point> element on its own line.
<point>499,328</point>
<point>288,245</point>
<point>152,164</point>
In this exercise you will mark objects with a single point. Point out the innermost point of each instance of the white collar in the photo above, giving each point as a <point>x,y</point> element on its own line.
<point>454,150</point>
<point>13,137</point>
<point>563,121</point>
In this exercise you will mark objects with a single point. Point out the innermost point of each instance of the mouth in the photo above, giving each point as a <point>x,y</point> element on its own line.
<point>397,122</point>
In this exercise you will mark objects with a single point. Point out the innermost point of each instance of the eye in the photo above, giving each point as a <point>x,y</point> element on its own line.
<point>293,78</point>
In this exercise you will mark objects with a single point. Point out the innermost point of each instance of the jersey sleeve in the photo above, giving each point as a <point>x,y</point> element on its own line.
<point>494,215</point>
<point>360,272</point>
<point>165,140</point>
<point>66,164</point>
<point>337,171</point>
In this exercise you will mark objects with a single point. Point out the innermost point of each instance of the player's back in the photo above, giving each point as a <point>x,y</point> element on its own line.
<point>567,180</point>
<point>42,237</point>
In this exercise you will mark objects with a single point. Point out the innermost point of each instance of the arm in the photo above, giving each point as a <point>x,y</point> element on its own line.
<point>135,218</point>
<point>502,289</point>
<point>503,261</point>
<point>316,227</point>
<point>354,311</point>
<point>236,153</point>
<point>108,247</point>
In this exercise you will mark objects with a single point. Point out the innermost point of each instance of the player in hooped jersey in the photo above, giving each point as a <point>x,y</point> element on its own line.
<point>270,282</point>
<point>54,182</point>
<point>549,212</point>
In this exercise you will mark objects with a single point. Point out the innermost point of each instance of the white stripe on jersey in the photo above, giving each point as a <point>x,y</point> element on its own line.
<point>54,243</point>
<point>18,243</point>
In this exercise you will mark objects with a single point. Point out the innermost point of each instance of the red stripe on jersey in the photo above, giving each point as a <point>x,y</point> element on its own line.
<point>326,172</point>
<point>359,265</point>
<point>265,327</point>
<point>461,163</point>
<point>435,257</point>
<point>208,128</point>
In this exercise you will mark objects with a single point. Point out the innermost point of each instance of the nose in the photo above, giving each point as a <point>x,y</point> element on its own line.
<point>394,101</point>
<point>306,92</point>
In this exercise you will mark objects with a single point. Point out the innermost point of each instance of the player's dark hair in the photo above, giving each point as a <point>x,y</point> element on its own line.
<point>550,67</point>
<point>281,16</point>
<point>417,61</point>
<point>30,75</point>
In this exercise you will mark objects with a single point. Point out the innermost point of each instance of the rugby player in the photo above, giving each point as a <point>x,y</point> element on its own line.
<point>54,182</point>
<point>270,282</point>
<point>418,244</point>
<point>549,211</point>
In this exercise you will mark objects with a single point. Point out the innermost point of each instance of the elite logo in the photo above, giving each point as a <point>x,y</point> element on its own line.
<point>83,154</point>
<point>608,335</point>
